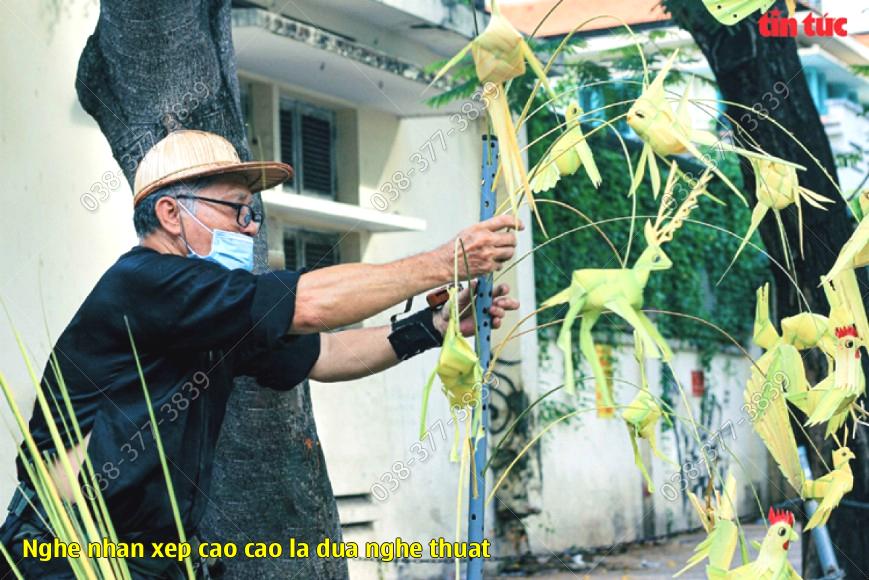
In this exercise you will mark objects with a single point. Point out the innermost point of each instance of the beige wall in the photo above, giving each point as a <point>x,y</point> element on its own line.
<point>368,425</point>
<point>51,153</point>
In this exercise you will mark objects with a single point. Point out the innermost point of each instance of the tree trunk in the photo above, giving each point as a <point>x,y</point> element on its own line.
<point>150,67</point>
<point>766,72</point>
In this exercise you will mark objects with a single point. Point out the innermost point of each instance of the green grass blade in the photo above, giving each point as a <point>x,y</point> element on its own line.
<point>12,566</point>
<point>97,502</point>
<point>57,440</point>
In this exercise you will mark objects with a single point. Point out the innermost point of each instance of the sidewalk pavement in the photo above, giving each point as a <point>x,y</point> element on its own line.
<point>660,559</point>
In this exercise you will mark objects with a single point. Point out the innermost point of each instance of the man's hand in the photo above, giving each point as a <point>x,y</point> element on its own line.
<point>501,303</point>
<point>360,352</point>
<point>486,247</point>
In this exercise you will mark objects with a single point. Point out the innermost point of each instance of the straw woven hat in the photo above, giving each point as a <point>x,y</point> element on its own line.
<point>189,154</point>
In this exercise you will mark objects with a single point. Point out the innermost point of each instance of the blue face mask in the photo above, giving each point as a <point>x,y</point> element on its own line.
<point>229,249</point>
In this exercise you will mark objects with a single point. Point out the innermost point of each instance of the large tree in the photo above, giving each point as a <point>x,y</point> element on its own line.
<point>754,70</point>
<point>152,66</point>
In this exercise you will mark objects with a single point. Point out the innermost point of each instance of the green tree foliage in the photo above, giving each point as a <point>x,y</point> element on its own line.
<point>700,254</point>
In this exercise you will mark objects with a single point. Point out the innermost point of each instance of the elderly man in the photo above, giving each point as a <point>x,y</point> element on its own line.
<point>199,318</point>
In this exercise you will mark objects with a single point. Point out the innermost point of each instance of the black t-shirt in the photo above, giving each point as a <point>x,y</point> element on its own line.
<point>196,326</point>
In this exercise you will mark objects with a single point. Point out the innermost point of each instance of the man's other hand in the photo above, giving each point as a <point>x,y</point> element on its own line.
<point>501,304</point>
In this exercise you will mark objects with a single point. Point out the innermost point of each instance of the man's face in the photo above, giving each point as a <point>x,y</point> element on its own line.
<point>215,215</point>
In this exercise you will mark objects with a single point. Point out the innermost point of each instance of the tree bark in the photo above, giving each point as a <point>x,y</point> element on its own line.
<point>747,68</point>
<point>154,66</point>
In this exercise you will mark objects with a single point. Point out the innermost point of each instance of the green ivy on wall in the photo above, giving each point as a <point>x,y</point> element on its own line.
<point>699,254</point>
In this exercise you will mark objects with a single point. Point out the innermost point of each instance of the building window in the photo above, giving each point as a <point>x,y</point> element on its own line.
<point>307,137</point>
<point>312,250</point>
<point>817,82</point>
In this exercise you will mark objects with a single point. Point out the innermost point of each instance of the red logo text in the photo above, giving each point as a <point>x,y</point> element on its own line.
<point>773,24</point>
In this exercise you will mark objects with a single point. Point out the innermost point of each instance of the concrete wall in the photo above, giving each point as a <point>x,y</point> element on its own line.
<point>368,425</point>
<point>368,23</point>
<point>594,496</point>
<point>51,153</point>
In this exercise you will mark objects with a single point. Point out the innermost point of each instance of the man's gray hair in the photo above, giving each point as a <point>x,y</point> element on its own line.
<point>145,219</point>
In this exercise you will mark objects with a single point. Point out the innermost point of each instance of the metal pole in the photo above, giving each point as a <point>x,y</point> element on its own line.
<point>820,534</point>
<point>476,506</point>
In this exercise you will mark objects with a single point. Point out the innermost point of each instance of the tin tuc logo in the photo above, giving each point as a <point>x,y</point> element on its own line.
<point>775,25</point>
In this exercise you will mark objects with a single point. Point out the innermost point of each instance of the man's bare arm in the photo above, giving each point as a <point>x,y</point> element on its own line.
<point>359,352</point>
<point>355,353</point>
<point>332,297</point>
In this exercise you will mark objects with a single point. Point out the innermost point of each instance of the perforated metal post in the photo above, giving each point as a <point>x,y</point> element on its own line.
<point>476,506</point>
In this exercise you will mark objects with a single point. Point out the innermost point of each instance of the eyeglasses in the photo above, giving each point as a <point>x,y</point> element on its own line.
<point>244,212</point>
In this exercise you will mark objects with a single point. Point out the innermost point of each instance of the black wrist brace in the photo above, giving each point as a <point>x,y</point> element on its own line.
<point>414,334</point>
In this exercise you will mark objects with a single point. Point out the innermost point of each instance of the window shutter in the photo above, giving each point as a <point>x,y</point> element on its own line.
<point>308,143</point>
<point>321,251</point>
<point>312,250</point>
<point>291,261</point>
<point>317,156</point>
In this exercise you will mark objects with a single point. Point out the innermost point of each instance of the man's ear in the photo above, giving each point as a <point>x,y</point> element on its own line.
<point>168,212</point>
